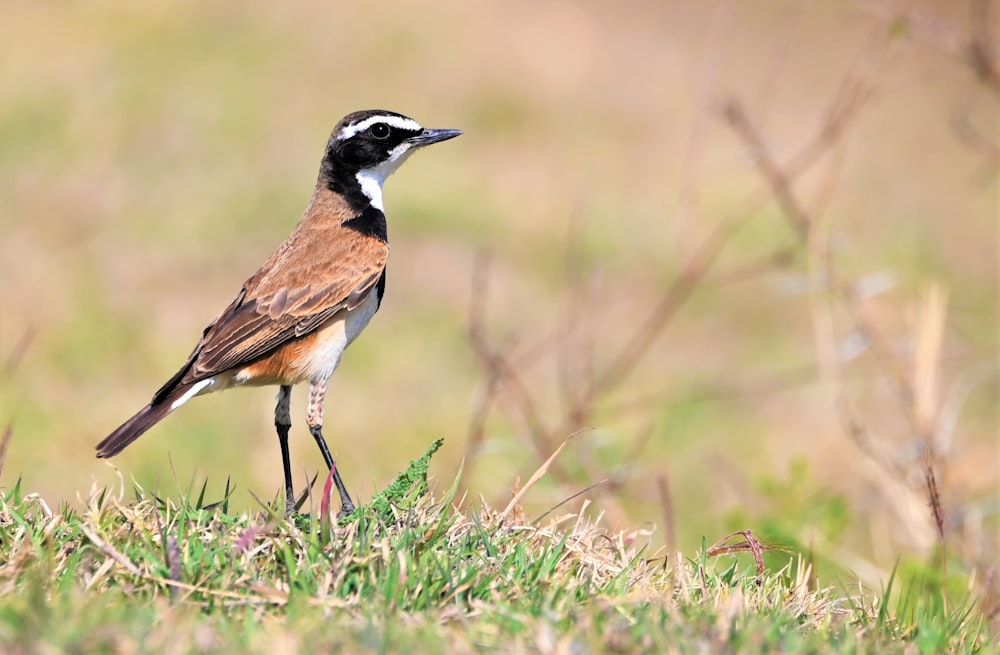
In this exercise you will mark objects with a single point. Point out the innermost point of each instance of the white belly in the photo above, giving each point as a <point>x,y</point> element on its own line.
<point>333,338</point>
<point>315,365</point>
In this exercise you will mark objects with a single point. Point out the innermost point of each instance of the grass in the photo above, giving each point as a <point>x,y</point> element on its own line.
<point>420,571</point>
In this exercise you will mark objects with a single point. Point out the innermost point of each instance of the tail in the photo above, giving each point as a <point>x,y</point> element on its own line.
<point>165,401</point>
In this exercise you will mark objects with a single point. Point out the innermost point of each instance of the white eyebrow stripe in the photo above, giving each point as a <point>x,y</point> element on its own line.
<point>396,121</point>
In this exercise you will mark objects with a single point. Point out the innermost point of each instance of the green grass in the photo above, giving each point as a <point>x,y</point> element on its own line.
<point>418,571</point>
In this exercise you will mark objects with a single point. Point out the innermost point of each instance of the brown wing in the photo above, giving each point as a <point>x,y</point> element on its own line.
<point>317,272</point>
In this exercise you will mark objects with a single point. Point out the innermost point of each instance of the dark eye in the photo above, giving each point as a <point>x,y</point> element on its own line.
<point>379,131</point>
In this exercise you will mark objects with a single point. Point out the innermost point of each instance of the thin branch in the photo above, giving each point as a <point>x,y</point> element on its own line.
<point>18,351</point>
<point>981,47</point>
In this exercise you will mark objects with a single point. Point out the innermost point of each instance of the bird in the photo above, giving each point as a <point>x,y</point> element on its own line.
<point>294,317</point>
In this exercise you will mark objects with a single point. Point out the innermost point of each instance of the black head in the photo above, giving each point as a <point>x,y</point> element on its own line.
<point>364,149</point>
<point>373,143</point>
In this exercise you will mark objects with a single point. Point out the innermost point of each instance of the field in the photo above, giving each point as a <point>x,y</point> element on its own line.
<point>738,260</point>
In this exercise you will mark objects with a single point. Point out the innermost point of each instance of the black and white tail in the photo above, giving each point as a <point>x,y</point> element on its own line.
<point>165,401</point>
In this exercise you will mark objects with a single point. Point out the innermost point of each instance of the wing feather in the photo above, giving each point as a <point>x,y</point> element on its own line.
<point>312,276</point>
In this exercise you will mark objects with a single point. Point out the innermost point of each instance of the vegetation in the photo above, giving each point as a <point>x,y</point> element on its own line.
<point>415,572</point>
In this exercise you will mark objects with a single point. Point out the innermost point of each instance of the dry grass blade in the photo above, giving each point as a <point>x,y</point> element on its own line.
<point>562,502</point>
<point>751,543</point>
<point>536,477</point>
<point>110,551</point>
<point>305,492</point>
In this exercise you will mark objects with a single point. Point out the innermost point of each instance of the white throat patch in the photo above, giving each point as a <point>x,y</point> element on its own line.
<point>371,179</point>
<point>371,186</point>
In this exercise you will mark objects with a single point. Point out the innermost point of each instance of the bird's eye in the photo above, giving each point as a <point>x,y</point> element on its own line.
<point>379,131</point>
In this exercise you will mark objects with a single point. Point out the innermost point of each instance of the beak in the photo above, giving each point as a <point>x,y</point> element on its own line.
<point>428,137</point>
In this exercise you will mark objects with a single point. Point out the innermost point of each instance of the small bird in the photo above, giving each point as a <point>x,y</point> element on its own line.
<point>294,317</point>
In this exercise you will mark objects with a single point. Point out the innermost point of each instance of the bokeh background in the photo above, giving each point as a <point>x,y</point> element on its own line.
<point>153,154</point>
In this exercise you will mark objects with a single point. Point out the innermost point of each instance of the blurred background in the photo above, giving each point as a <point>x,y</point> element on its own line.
<point>751,247</point>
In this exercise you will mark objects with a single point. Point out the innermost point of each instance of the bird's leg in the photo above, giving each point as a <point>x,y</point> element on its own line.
<point>283,423</point>
<point>314,417</point>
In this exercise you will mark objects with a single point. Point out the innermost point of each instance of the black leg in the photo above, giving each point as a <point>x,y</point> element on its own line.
<point>282,423</point>
<point>286,462</point>
<point>346,504</point>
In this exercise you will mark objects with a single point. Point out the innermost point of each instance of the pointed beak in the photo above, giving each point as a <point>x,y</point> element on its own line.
<point>428,137</point>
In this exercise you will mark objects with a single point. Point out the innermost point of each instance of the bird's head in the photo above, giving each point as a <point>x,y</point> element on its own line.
<point>368,146</point>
